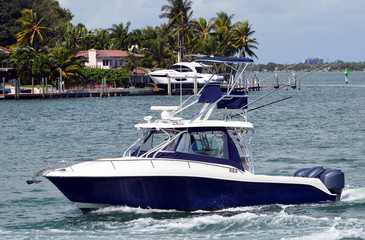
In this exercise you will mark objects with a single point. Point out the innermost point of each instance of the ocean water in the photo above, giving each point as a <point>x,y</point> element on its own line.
<point>323,124</point>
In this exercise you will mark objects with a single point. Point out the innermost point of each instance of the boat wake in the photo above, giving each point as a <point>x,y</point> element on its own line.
<point>353,195</point>
<point>125,209</point>
<point>282,221</point>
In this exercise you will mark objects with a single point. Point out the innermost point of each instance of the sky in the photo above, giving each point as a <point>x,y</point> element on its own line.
<point>288,31</point>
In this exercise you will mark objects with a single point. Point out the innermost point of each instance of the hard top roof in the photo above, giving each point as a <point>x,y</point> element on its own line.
<point>224,59</point>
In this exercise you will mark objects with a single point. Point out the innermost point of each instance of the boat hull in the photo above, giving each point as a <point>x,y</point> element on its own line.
<point>182,193</point>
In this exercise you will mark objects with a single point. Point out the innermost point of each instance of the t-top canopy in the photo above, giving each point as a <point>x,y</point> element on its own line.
<point>224,59</point>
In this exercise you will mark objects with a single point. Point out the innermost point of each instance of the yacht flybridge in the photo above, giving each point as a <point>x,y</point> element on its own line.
<point>202,162</point>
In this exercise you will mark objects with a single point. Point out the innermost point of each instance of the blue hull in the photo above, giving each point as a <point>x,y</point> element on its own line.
<point>183,193</point>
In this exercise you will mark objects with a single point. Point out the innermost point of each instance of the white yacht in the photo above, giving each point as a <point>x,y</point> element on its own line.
<point>184,74</point>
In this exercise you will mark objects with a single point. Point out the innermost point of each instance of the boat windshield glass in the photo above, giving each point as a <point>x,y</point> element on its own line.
<point>199,69</point>
<point>155,139</point>
<point>210,143</point>
<point>207,143</point>
<point>180,68</point>
<point>152,141</point>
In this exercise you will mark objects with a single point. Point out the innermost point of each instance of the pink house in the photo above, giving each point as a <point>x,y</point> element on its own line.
<point>105,59</point>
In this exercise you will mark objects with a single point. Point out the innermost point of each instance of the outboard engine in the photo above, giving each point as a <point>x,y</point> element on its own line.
<point>333,179</point>
<point>301,172</point>
<point>314,172</point>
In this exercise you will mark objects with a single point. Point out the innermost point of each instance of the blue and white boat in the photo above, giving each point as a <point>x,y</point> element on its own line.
<point>202,162</point>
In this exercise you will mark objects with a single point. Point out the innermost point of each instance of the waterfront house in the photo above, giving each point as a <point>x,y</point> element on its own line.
<point>105,59</point>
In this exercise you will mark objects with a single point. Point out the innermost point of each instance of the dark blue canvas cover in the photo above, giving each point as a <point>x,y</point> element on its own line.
<point>210,94</point>
<point>235,102</point>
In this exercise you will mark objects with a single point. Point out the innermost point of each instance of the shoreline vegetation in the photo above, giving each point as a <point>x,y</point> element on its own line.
<point>43,43</point>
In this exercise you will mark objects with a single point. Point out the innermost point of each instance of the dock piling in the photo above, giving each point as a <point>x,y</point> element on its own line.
<point>42,88</point>
<point>195,85</point>
<point>33,85</point>
<point>169,85</point>
<point>4,86</point>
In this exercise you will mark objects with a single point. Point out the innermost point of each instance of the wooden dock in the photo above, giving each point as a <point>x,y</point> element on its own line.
<point>67,94</point>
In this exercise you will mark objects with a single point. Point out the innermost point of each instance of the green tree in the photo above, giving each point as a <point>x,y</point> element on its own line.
<point>157,52</point>
<point>179,13</point>
<point>222,32</point>
<point>242,39</point>
<point>42,64</point>
<point>132,62</point>
<point>33,30</point>
<point>202,28</point>
<point>10,11</point>
<point>22,61</point>
<point>201,35</point>
<point>55,15</point>
<point>73,37</point>
<point>64,61</point>
<point>119,36</point>
<point>102,39</point>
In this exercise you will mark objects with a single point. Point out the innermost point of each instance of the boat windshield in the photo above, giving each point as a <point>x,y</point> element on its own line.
<point>207,143</point>
<point>212,143</point>
<point>215,145</point>
<point>199,69</point>
<point>180,68</point>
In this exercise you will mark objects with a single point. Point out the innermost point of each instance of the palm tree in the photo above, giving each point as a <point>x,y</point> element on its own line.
<point>102,39</point>
<point>22,61</point>
<point>119,36</point>
<point>42,64</point>
<point>157,52</point>
<point>222,32</point>
<point>242,40</point>
<point>179,14</point>
<point>73,37</point>
<point>222,22</point>
<point>64,61</point>
<point>202,28</point>
<point>32,29</point>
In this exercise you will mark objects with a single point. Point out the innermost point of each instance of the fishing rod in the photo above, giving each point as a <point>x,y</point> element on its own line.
<point>276,73</point>
<point>317,69</point>
<point>304,74</point>
<point>277,89</point>
<point>268,104</point>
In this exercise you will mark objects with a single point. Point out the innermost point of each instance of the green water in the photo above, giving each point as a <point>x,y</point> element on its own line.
<point>323,124</point>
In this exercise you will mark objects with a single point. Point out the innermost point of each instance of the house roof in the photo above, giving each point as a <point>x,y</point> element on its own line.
<point>84,54</point>
<point>5,50</point>
<point>107,53</point>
